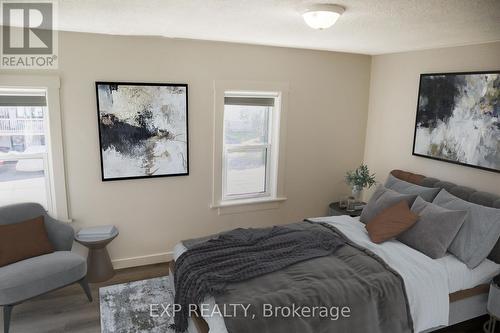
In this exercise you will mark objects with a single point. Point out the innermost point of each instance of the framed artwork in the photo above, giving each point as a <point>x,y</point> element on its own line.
<point>458,119</point>
<point>143,129</point>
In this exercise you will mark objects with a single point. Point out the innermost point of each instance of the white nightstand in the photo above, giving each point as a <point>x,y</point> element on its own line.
<point>493,308</point>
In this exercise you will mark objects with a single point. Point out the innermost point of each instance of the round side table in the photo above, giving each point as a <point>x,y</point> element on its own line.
<point>99,266</point>
<point>335,210</point>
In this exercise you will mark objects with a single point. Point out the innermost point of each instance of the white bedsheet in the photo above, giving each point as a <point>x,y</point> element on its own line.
<point>428,282</point>
<point>461,277</point>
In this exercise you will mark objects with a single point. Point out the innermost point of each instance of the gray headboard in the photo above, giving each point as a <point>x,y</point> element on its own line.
<point>463,192</point>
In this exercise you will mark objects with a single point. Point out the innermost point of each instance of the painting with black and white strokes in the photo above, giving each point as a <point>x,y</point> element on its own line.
<point>458,119</point>
<point>143,129</point>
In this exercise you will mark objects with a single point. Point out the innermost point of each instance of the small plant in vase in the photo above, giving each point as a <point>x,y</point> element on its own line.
<point>359,179</point>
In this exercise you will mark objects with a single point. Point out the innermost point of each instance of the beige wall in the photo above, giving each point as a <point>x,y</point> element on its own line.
<point>392,109</point>
<point>328,101</point>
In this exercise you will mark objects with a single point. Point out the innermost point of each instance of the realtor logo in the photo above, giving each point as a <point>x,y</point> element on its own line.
<point>29,38</point>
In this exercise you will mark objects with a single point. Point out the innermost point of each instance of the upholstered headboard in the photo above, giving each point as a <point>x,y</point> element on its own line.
<point>463,192</point>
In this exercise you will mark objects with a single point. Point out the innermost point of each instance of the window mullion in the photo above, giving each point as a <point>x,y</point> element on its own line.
<point>242,148</point>
<point>22,156</point>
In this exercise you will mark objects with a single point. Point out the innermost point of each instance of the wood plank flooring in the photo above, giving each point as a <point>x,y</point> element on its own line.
<point>67,310</point>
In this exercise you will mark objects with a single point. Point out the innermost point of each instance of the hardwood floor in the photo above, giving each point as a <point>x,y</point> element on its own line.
<point>67,310</point>
<point>471,326</point>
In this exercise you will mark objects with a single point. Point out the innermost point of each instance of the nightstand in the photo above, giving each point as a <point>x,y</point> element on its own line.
<point>493,308</point>
<point>335,210</point>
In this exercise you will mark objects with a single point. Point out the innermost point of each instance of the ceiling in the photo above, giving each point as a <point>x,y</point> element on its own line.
<point>367,26</point>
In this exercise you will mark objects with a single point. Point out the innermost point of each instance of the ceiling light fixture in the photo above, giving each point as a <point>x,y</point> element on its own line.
<point>322,16</point>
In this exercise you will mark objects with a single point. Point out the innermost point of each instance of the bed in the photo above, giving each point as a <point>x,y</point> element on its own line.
<point>440,292</point>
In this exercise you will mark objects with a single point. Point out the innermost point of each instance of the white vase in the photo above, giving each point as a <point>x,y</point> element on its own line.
<point>356,192</point>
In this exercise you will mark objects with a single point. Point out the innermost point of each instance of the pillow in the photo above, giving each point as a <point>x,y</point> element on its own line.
<point>400,186</point>
<point>435,229</point>
<point>391,222</point>
<point>479,233</point>
<point>23,240</point>
<point>381,199</point>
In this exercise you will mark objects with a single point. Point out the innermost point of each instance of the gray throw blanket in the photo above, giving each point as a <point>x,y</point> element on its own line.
<point>239,255</point>
<point>351,276</point>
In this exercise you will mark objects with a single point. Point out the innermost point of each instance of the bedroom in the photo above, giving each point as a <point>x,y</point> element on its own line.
<point>346,95</point>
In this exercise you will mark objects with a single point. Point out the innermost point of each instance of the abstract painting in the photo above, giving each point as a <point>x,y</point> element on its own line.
<point>458,119</point>
<point>143,129</point>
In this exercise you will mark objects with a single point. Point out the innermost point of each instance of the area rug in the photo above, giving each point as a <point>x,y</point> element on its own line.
<point>137,306</point>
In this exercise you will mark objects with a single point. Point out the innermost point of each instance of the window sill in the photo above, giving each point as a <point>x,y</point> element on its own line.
<point>248,205</point>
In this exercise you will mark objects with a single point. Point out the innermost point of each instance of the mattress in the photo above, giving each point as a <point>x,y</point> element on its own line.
<point>428,282</point>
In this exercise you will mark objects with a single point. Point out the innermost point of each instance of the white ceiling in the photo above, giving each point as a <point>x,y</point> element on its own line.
<point>367,26</point>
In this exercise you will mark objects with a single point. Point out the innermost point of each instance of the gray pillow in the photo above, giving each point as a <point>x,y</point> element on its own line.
<point>480,231</point>
<point>435,229</point>
<point>381,199</point>
<point>398,185</point>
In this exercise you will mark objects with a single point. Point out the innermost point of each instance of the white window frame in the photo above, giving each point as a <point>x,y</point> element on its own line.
<point>272,128</point>
<point>275,162</point>
<point>56,178</point>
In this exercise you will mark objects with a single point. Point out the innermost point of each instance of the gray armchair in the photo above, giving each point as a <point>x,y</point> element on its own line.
<point>35,276</point>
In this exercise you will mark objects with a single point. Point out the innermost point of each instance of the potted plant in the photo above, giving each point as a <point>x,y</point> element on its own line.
<point>359,179</point>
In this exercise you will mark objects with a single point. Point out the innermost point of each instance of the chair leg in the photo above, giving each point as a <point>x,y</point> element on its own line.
<point>85,286</point>
<point>7,311</point>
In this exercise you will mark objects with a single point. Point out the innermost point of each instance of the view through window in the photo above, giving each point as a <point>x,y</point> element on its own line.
<point>248,153</point>
<point>23,147</point>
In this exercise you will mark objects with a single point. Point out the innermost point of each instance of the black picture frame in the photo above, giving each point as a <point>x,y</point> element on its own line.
<point>118,83</point>
<point>417,118</point>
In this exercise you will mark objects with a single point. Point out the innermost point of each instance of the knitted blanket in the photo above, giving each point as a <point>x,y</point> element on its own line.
<point>242,254</point>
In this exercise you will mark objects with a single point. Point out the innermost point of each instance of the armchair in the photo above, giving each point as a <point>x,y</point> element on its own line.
<point>35,276</point>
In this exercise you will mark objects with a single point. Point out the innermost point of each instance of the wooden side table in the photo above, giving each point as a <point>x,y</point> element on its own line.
<point>99,266</point>
<point>335,210</point>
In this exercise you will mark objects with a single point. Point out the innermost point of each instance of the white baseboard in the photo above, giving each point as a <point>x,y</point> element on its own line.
<point>143,260</point>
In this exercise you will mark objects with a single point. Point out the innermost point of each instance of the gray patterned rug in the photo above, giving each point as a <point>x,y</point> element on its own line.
<point>138,307</point>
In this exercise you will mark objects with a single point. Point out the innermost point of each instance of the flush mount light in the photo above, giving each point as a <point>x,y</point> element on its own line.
<point>322,16</point>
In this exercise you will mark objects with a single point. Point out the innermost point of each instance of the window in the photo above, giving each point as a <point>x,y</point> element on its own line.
<point>247,145</point>
<point>248,154</point>
<point>31,143</point>
<point>4,112</point>
<point>23,153</point>
<point>24,112</point>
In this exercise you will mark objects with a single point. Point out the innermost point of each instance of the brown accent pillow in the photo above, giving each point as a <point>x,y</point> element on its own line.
<point>391,222</point>
<point>23,240</point>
